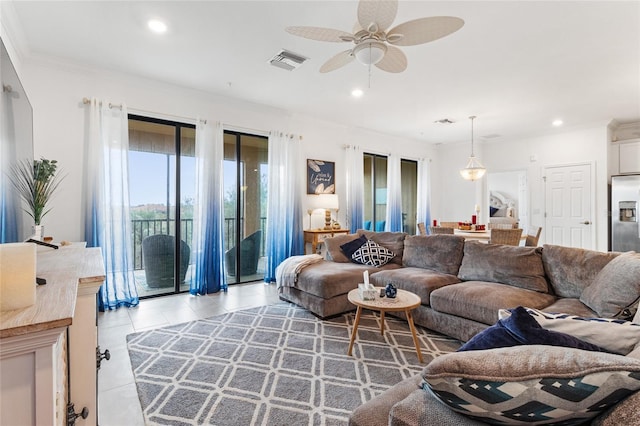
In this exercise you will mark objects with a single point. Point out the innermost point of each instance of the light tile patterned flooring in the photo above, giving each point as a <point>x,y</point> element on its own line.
<point>118,403</point>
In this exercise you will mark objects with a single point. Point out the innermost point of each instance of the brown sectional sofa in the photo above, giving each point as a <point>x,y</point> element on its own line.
<point>462,285</point>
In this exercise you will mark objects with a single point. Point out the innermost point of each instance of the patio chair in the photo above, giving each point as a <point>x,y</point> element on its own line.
<point>510,237</point>
<point>158,255</point>
<point>249,253</point>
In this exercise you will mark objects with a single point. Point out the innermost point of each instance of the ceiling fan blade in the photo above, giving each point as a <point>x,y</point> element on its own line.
<point>338,61</point>
<point>319,34</point>
<point>424,30</point>
<point>379,12</point>
<point>393,61</point>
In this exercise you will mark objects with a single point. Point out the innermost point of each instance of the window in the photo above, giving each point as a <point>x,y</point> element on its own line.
<point>161,198</point>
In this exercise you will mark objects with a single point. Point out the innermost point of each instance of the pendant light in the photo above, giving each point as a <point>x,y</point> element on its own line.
<point>474,169</point>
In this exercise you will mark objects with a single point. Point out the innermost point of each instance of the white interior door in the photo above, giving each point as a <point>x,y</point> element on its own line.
<point>568,206</point>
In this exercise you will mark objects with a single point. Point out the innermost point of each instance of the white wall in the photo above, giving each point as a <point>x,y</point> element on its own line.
<point>56,90</point>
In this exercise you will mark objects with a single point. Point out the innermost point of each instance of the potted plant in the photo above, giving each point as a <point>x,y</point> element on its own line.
<point>36,182</point>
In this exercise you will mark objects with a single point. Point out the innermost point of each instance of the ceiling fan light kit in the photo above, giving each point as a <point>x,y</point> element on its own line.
<point>474,169</point>
<point>375,44</point>
<point>370,52</point>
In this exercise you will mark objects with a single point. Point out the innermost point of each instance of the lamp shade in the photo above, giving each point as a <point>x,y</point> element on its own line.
<point>325,201</point>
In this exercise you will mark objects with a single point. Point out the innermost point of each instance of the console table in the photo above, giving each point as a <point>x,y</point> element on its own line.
<point>48,351</point>
<point>316,236</point>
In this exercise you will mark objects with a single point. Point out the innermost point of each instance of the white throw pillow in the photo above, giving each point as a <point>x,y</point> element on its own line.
<point>614,335</point>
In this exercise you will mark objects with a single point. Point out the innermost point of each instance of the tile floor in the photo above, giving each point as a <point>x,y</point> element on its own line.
<point>118,403</point>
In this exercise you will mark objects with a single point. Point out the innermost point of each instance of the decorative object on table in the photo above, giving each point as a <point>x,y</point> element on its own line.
<point>321,177</point>
<point>390,291</point>
<point>367,291</point>
<point>36,182</point>
<point>474,170</point>
<point>18,277</point>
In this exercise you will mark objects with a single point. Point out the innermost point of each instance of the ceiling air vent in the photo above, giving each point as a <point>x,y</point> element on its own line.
<point>444,121</point>
<point>287,60</point>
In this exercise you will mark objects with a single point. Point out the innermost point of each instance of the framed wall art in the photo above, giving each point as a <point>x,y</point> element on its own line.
<point>321,177</point>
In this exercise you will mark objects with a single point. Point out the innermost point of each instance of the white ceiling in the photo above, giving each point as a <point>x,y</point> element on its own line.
<point>515,65</point>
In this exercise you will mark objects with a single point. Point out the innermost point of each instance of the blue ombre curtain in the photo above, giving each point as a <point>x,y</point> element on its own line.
<point>209,214</point>
<point>394,194</point>
<point>354,179</point>
<point>284,211</point>
<point>423,212</point>
<point>107,223</point>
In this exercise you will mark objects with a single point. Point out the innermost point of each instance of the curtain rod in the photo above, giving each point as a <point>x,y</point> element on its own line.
<point>159,114</point>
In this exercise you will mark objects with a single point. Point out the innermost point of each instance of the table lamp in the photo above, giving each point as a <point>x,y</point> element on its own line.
<point>327,202</point>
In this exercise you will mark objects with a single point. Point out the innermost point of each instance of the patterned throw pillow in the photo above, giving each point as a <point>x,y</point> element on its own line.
<point>531,384</point>
<point>372,254</point>
<point>614,335</point>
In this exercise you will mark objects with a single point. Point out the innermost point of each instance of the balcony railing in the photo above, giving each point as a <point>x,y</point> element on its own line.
<point>142,228</point>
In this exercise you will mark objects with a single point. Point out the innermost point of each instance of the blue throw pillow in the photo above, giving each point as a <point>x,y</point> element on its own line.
<point>522,329</point>
<point>349,248</point>
<point>367,225</point>
<point>380,225</point>
<point>492,211</point>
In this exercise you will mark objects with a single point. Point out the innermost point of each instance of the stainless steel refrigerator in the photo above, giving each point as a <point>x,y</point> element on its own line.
<point>625,202</point>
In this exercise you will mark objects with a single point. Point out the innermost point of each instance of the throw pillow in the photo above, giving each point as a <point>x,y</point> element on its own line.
<point>372,254</point>
<point>517,266</point>
<point>615,291</point>
<point>334,252</point>
<point>349,248</point>
<point>614,335</point>
<point>531,384</point>
<point>521,329</point>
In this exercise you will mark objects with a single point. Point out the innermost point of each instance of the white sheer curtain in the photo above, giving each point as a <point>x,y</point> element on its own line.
<point>354,161</point>
<point>284,212</point>
<point>424,193</point>
<point>107,222</point>
<point>394,194</point>
<point>208,253</point>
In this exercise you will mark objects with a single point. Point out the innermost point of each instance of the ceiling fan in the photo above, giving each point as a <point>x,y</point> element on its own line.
<point>375,44</point>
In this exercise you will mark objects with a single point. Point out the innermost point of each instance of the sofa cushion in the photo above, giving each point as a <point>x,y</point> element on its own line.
<point>614,335</point>
<point>480,301</point>
<point>570,306</point>
<point>513,265</point>
<point>615,291</point>
<point>393,241</point>
<point>350,247</point>
<point>372,254</point>
<point>334,252</point>
<point>442,253</point>
<point>571,270</point>
<point>416,280</point>
<point>532,384</point>
<point>327,279</point>
<point>520,328</point>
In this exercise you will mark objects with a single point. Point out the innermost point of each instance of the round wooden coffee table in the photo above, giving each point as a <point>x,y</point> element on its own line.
<point>405,301</point>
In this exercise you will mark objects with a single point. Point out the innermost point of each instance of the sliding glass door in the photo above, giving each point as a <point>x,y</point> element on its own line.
<point>375,192</point>
<point>245,205</point>
<point>162,193</point>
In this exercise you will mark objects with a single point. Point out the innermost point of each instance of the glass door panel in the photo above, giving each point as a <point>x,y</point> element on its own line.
<point>159,182</point>
<point>245,177</point>
<point>409,179</point>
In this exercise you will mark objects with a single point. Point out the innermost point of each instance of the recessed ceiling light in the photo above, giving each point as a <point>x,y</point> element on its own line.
<point>557,123</point>
<point>356,93</point>
<point>157,26</point>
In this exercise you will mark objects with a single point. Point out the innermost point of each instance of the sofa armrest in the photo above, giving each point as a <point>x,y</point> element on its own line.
<point>376,411</point>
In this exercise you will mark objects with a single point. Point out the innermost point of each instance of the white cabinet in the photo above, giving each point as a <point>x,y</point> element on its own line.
<point>35,378</point>
<point>629,156</point>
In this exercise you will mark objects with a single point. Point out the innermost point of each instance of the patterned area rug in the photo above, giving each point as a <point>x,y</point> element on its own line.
<point>272,365</point>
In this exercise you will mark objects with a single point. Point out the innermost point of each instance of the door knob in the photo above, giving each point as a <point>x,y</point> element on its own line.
<point>586,222</point>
